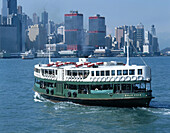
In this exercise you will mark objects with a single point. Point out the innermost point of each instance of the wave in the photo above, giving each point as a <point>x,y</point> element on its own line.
<point>38,98</point>
<point>162,111</point>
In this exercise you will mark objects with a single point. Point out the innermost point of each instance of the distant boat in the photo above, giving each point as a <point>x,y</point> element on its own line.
<point>28,55</point>
<point>92,56</point>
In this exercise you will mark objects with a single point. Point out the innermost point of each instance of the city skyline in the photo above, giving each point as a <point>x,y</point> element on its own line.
<point>116,12</point>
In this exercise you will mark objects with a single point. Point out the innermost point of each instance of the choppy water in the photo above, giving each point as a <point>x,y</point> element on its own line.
<point>22,110</point>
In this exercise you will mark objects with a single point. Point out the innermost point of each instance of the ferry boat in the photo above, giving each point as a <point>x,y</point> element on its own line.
<point>95,84</point>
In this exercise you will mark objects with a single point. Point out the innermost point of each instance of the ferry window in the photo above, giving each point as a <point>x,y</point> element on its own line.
<point>102,73</point>
<point>46,71</point>
<point>92,73</point>
<point>139,71</point>
<point>113,72</point>
<point>131,72</point>
<point>74,73</point>
<point>68,72</point>
<point>107,73</point>
<point>119,72</point>
<point>83,89</point>
<point>56,72</point>
<point>50,72</point>
<point>86,73</point>
<point>97,73</point>
<point>125,72</point>
<point>72,87</point>
<point>80,73</point>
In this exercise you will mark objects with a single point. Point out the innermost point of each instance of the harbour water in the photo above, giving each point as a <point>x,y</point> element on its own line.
<point>22,110</point>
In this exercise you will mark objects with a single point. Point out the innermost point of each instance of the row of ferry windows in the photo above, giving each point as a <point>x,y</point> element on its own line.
<point>46,71</point>
<point>119,72</point>
<point>81,73</point>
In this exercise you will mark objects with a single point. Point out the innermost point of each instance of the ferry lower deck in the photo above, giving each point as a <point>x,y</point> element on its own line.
<point>117,94</point>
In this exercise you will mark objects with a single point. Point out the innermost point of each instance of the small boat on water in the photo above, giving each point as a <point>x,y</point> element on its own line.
<point>28,55</point>
<point>95,83</point>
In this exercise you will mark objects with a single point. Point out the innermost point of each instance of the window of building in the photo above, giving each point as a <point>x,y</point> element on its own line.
<point>139,71</point>
<point>97,73</point>
<point>125,72</point>
<point>113,72</point>
<point>92,73</point>
<point>131,72</point>
<point>102,73</point>
<point>107,73</point>
<point>119,72</point>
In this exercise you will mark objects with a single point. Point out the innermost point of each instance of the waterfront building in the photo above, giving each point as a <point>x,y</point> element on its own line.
<point>97,31</point>
<point>16,20</point>
<point>35,19</point>
<point>19,9</point>
<point>155,45</point>
<point>140,37</point>
<point>119,34</point>
<point>8,38</point>
<point>148,41</point>
<point>36,37</point>
<point>108,41</point>
<point>146,48</point>
<point>74,30</point>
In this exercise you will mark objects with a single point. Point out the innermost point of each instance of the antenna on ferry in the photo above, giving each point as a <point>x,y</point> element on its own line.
<point>49,50</point>
<point>127,63</point>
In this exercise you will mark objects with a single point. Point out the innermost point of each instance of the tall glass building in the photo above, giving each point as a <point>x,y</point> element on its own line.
<point>140,37</point>
<point>74,30</point>
<point>12,7</point>
<point>97,31</point>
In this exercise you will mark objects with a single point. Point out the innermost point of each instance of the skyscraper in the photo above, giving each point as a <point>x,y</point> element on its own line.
<point>36,37</point>
<point>12,7</point>
<point>4,12</point>
<point>74,30</point>
<point>153,30</point>
<point>119,33</point>
<point>35,19</point>
<point>155,44</point>
<point>44,18</point>
<point>140,37</point>
<point>19,9</point>
<point>97,31</point>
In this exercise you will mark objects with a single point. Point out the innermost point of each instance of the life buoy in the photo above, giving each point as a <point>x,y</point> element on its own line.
<point>69,94</point>
<point>47,91</point>
<point>74,94</point>
<point>52,92</point>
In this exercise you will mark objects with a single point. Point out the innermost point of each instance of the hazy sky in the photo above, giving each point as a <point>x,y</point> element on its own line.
<point>117,13</point>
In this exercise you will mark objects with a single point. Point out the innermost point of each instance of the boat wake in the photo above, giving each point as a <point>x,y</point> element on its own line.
<point>159,109</point>
<point>38,98</point>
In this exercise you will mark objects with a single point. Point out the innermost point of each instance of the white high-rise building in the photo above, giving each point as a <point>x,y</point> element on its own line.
<point>61,31</point>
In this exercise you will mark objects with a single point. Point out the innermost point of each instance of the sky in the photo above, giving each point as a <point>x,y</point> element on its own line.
<point>116,12</point>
